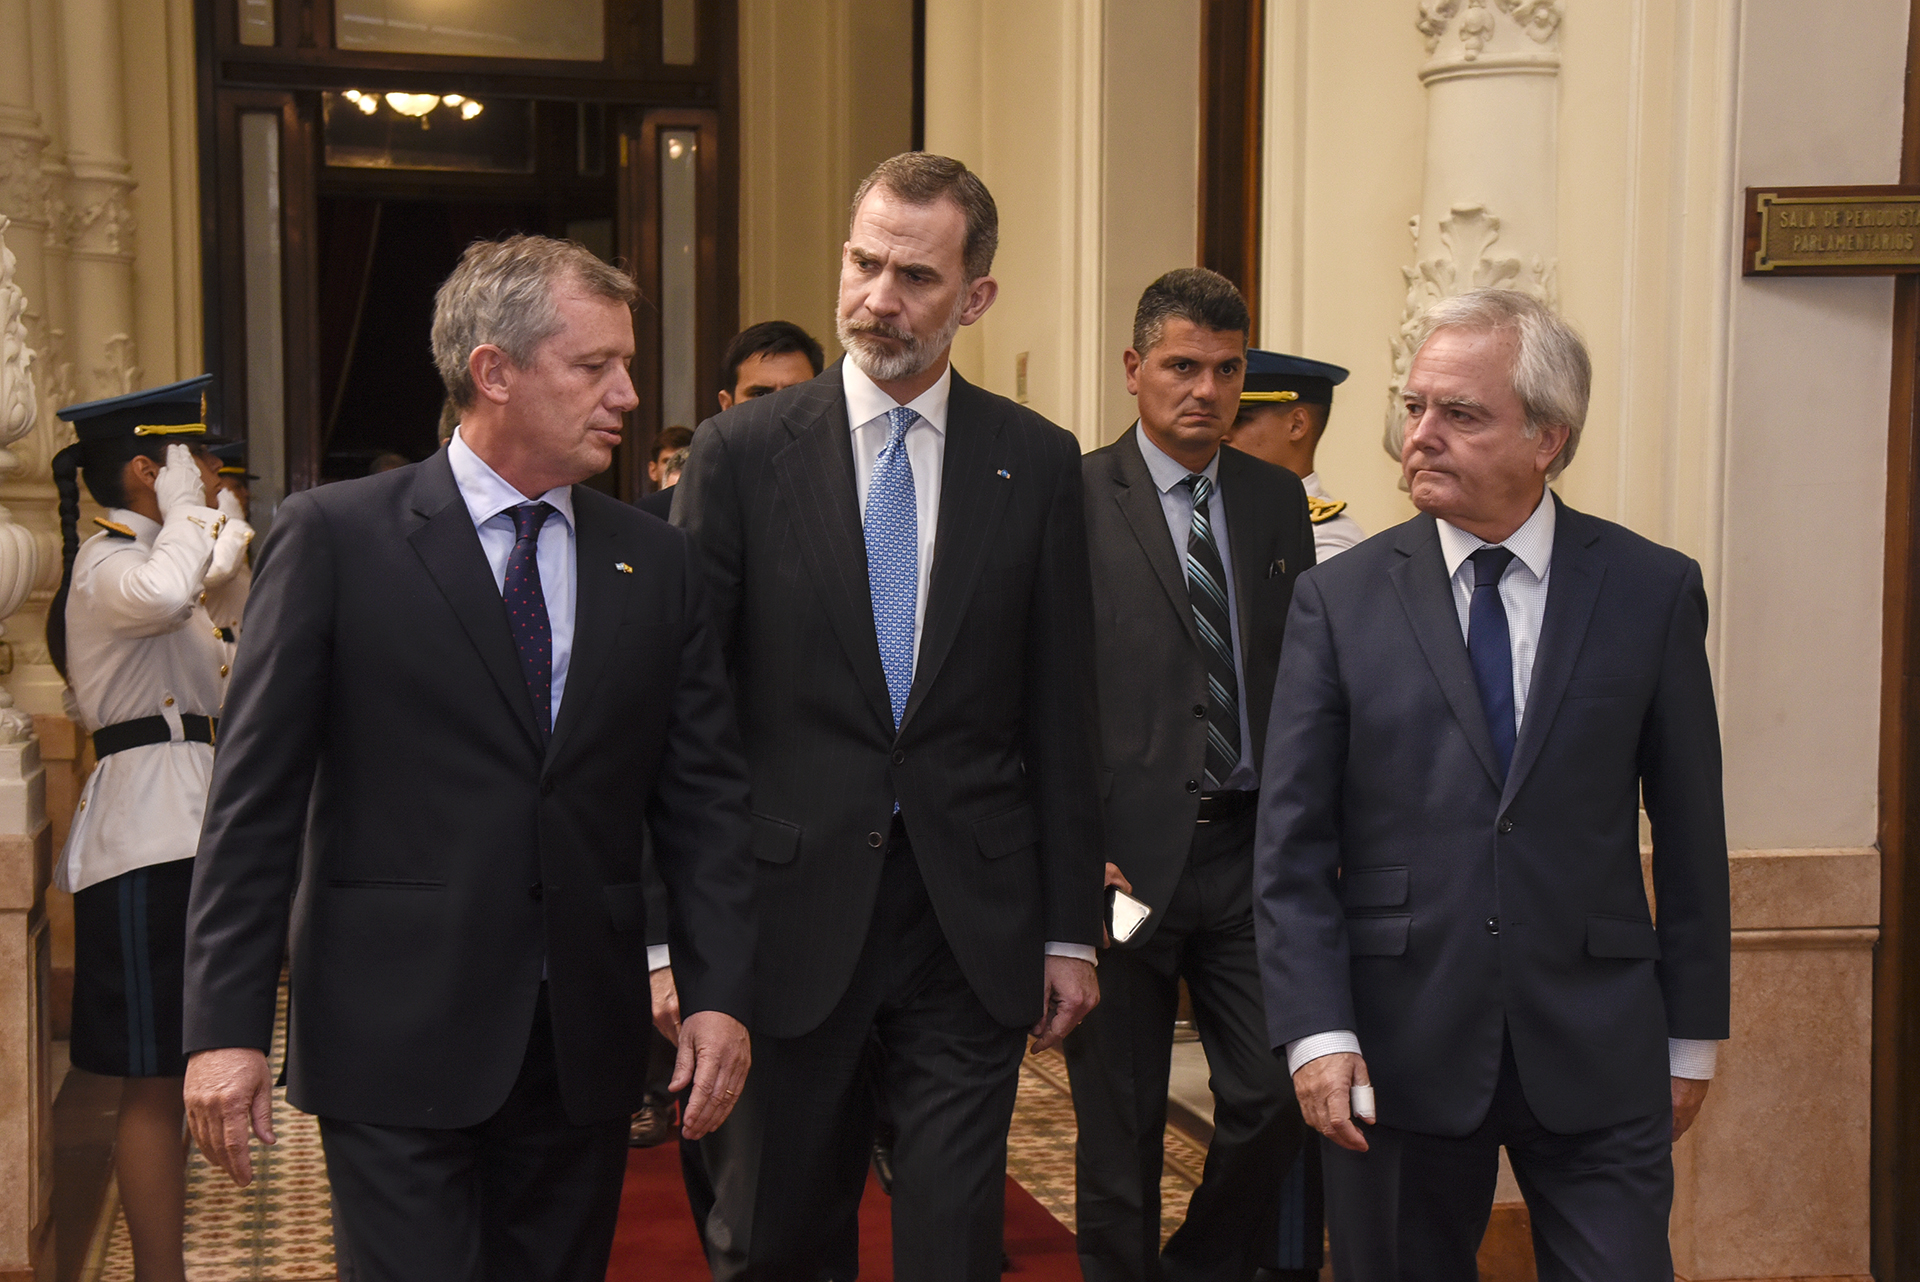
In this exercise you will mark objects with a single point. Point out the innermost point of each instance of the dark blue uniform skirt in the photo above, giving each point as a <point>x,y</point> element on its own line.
<point>129,943</point>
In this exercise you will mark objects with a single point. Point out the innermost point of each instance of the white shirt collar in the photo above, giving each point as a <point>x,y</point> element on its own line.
<point>1311,484</point>
<point>486,494</point>
<point>1167,473</point>
<point>1532,543</point>
<point>866,402</point>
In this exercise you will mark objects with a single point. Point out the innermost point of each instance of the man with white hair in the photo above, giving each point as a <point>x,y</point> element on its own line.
<point>1469,712</point>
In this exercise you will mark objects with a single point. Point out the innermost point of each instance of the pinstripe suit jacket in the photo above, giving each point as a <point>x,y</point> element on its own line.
<point>993,764</point>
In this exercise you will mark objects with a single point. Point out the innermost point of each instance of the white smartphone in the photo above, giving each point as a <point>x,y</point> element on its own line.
<point>1125,915</point>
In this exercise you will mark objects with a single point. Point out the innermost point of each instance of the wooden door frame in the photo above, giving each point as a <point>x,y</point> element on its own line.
<point>1896,997</point>
<point>1232,111</point>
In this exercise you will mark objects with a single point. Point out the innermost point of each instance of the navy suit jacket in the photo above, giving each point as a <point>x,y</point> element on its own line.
<point>1406,891</point>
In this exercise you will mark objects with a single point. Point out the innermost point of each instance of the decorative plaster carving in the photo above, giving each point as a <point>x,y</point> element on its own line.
<point>1468,261</point>
<point>26,188</point>
<point>1539,19</point>
<point>121,373</point>
<point>106,224</point>
<point>59,381</point>
<point>19,405</point>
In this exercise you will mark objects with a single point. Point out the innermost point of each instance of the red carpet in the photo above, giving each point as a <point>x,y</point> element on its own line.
<point>655,1241</point>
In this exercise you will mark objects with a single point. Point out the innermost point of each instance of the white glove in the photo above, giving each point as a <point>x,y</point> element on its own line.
<point>230,549</point>
<point>230,505</point>
<point>180,483</point>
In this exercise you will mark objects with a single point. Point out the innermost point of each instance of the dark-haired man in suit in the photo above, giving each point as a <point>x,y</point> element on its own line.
<point>1471,710</point>
<point>469,684</point>
<point>1195,549</point>
<point>898,570</point>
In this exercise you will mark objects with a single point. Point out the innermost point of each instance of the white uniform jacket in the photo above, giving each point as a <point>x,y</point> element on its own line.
<point>1334,534</point>
<point>147,636</point>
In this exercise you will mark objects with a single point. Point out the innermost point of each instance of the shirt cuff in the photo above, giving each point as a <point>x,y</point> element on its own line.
<point>1692,1059</point>
<point>1079,952</point>
<point>658,957</point>
<point>1339,1042</point>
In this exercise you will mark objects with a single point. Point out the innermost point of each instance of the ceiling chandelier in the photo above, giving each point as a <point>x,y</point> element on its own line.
<point>415,106</point>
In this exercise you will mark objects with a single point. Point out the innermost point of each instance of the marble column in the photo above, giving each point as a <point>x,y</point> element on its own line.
<point>1489,210</point>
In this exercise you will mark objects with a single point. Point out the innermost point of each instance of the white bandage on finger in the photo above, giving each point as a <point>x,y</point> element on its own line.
<point>1362,1096</point>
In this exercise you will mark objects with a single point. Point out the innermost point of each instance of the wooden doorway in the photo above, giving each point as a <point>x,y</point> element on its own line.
<point>342,178</point>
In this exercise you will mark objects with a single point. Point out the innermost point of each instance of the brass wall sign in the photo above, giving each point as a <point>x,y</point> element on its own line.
<point>1832,231</point>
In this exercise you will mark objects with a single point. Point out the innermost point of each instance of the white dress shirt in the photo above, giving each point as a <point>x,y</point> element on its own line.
<point>1523,592</point>
<point>926,441</point>
<point>489,501</point>
<point>145,639</point>
<point>1176,501</point>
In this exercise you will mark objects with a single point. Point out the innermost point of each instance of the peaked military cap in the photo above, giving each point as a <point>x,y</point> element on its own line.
<point>1274,379</point>
<point>177,411</point>
<point>233,460</point>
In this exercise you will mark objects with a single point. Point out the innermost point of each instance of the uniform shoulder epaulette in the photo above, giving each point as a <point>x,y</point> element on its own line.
<point>114,528</point>
<point>1320,511</point>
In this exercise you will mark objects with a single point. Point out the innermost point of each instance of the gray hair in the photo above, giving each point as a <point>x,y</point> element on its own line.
<point>1551,375</point>
<point>502,294</point>
<point>921,178</point>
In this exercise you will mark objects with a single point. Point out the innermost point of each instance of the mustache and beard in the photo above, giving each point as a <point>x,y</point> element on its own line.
<point>915,354</point>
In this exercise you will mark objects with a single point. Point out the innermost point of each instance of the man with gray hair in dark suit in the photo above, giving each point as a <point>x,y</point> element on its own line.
<point>1469,711</point>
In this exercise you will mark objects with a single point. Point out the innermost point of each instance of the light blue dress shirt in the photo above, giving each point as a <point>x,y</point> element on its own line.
<point>488,499</point>
<point>1176,500</point>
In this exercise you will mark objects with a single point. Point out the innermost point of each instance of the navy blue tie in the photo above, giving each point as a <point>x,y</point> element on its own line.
<point>527,609</point>
<point>1490,648</point>
<point>892,528</point>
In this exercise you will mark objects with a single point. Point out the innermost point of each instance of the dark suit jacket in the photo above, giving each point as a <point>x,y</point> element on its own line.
<point>1404,890</point>
<point>449,852</point>
<point>993,764</point>
<point>659,503</point>
<point>1152,673</point>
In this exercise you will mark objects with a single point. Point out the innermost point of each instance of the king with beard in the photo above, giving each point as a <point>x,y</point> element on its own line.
<point>898,570</point>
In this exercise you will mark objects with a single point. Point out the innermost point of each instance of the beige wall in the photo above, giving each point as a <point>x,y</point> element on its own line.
<point>817,111</point>
<point>1082,116</point>
<point>163,149</point>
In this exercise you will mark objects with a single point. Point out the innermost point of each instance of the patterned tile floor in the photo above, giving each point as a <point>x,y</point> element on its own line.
<point>279,1229</point>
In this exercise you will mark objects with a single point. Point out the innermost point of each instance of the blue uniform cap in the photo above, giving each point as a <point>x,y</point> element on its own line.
<point>1276,379</point>
<point>176,412</point>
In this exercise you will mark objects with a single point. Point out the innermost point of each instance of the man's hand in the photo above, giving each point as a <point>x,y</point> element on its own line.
<point>715,1053</point>
<point>1073,990</point>
<point>226,1091</point>
<point>1688,1095</point>
<point>1325,1088</point>
<point>666,1004</point>
<point>1114,878</point>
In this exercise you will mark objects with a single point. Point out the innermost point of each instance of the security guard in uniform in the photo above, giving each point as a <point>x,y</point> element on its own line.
<point>143,629</point>
<point>1283,413</point>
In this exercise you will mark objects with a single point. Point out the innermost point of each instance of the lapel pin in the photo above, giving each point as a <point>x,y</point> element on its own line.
<point>623,567</point>
<point>1004,475</point>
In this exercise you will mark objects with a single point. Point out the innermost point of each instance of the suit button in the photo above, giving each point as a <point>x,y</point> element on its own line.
<point>1493,925</point>
<point>1506,824</point>
<point>875,840</point>
<point>1193,785</point>
<point>536,892</point>
<point>1200,711</point>
<point>899,758</point>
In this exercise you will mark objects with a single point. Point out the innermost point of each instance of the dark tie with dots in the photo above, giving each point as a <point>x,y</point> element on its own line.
<point>1490,649</point>
<point>527,609</point>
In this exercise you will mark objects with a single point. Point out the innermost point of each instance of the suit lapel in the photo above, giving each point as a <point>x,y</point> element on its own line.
<point>1250,533</point>
<point>815,478</point>
<point>1572,589</point>
<point>1426,596</point>
<point>973,493</point>
<point>450,549</point>
<point>1139,500</point>
<point>597,602</point>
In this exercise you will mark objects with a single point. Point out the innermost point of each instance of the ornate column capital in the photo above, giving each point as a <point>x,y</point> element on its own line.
<point>1490,37</point>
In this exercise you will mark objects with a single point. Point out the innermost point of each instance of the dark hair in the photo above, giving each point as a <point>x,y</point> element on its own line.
<point>768,338</point>
<point>671,439</point>
<point>922,178</point>
<point>103,465</point>
<point>1194,294</point>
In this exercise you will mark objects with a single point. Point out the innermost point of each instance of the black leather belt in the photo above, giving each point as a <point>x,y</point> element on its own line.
<point>1217,806</point>
<point>141,731</point>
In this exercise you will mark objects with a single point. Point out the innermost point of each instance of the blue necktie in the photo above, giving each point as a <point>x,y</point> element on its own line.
<point>1490,649</point>
<point>527,609</point>
<point>892,526</point>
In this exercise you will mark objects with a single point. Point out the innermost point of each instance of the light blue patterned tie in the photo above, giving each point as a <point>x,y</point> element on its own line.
<point>892,525</point>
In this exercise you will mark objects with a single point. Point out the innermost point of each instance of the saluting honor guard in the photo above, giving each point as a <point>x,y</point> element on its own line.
<point>143,629</point>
